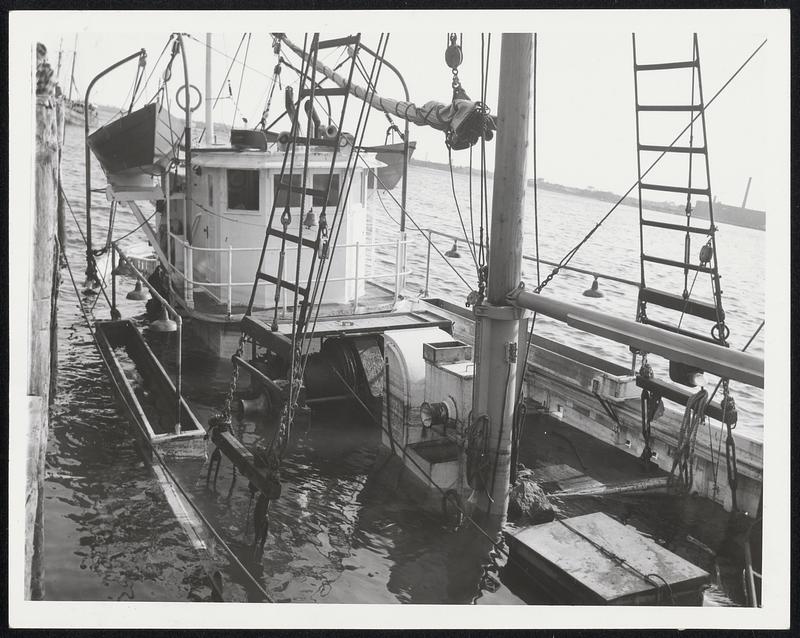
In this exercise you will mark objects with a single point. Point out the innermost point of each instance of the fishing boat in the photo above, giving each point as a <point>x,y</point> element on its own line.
<point>262,248</point>
<point>74,109</point>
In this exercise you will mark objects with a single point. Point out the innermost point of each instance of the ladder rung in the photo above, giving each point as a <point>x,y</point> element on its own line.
<point>339,42</point>
<point>680,331</point>
<point>662,66</point>
<point>672,149</point>
<point>675,189</point>
<point>694,307</point>
<point>283,283</point>
<point>308,243</point>
<point>669,107</point>
<point>684,228</point>
<point>676,264</point>
<point>316,192</point>
<point>321,91</point>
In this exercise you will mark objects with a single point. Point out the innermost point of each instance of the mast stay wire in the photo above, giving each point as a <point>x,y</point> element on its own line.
<point>241,83</point>
<point>458,210</point>
<point>224,80</point>
<point>571,253</point>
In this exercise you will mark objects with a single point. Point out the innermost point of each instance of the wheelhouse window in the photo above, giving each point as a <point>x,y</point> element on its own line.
<point>282,195</point>
<point>320,183</point>
<point>243,187</point>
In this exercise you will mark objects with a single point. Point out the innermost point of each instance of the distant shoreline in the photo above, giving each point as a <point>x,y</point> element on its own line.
<point>723,213</point>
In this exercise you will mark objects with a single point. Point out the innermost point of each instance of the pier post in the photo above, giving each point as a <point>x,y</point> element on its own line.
<point>497,323</point>
<point>44,281</point>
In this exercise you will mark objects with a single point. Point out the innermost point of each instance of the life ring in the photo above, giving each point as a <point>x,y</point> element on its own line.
<point>185,89</point>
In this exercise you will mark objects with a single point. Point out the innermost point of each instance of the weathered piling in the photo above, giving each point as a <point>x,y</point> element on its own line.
<point>44,281</point>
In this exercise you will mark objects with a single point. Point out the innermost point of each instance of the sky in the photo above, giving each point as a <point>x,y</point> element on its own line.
<point>585,115</point>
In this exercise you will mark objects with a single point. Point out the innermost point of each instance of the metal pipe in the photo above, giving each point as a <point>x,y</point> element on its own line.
<point>91,271</point>
<point>428,264</point>
<point>714,359</point>
<point>583,271</point>
<point>179,333</point>
<point>230,279</point>
<point>187,141</point>
<point>211,139</point>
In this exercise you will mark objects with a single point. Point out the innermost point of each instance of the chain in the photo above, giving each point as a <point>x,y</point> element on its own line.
<point>226,407</point>
<point>730,417</point>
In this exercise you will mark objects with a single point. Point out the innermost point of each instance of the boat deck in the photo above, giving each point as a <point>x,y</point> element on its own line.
<point>376,299</point>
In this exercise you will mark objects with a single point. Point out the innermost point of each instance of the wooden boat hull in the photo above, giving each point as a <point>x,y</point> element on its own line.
<point>391,155</point>
<point>155,431</point>
<point>141,141</point>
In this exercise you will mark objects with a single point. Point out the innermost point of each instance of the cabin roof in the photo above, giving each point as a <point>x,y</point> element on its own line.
<point>227,157</point>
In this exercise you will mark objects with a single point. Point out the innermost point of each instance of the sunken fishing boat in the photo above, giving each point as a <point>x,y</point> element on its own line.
<point>264,251</point>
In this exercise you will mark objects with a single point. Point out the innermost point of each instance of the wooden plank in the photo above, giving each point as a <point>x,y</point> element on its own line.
<point>374,323</point>
<point>593,558</point>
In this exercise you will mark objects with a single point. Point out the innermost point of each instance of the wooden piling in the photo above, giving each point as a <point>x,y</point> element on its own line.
<point>43,299</point>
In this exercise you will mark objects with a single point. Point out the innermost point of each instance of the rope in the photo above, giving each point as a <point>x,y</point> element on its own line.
<point>711,398</point>
<point>458,209</point>
<point>683,461</point>
<point>571,253</point>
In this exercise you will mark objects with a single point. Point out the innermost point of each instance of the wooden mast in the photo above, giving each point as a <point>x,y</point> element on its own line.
<point>497,323</point>
<point>210,139</point>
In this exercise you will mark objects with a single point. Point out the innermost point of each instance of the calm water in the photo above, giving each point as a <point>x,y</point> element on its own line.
<point>350,526</point>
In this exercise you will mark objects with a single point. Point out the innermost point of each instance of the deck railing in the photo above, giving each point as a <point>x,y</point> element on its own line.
<point>186,273</point>
<point>431,233</point>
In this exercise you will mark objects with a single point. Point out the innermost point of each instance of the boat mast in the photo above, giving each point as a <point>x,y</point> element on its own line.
<point>72,72</point>
<point>497,324</point>
<point>210,137</point>
<point>60,53</point>
<point>746,192</point>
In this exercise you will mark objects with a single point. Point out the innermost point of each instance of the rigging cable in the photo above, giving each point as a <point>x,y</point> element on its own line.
<point>458,209</point>
<point>241,83</point>
<point>419,229</point>
<point>224,80</point>
<point>571,253</point>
